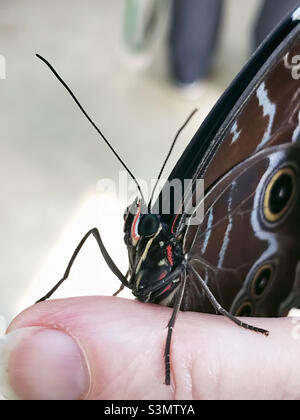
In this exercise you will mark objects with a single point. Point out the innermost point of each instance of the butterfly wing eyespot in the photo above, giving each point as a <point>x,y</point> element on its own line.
<point>279,194</point>
<point>261,280</point>
<point>245,309</point>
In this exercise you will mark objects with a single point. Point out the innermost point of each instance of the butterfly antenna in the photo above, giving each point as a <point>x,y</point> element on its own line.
<point>169,154</point>
<point>91,121</point>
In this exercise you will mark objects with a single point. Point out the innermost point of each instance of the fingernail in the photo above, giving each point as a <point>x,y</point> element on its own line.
<point>42,364</point>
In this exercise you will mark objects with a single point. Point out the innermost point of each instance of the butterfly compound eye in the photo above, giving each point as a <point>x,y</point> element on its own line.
<point>148,225</point>
<point>279,194</point>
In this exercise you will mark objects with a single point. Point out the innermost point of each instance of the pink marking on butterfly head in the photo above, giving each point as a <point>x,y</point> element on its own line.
<point>163,275</point>
<point>170,254</point>
<point>134,233</point>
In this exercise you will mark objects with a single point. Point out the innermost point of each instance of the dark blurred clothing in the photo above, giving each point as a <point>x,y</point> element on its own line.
<point>193,36</point>
<point>271,13</point>
<point>195,28</point>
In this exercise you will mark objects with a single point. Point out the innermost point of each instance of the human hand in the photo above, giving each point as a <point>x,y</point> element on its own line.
<point>112,348</point>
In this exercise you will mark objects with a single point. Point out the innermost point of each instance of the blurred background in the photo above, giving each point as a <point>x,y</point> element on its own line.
<point>125,61</point>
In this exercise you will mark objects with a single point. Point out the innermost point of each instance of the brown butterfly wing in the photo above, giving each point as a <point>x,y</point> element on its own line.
<point>238,238</point>
<point>267,114</point>
<point>251,266</point>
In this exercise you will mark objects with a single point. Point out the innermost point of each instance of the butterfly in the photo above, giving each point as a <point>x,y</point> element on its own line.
<point>243,257</point>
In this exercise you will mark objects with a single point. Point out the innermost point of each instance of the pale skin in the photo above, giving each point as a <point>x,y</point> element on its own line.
<point>211,358</point>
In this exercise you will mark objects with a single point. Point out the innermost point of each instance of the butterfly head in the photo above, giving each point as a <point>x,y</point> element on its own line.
<point>153,253</point>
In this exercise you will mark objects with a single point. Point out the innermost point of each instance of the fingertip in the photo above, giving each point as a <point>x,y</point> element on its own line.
<point>123,342</point>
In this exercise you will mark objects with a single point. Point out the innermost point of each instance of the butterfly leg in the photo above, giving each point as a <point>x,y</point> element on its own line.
<point>170,326</point>
<point>119,290</point>
<point>223,311</point>
<point>122,285</point>
<point>109,261</point>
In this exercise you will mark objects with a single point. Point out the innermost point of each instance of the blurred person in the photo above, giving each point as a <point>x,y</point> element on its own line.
<point>195,26</point>
<point>194,32</point>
